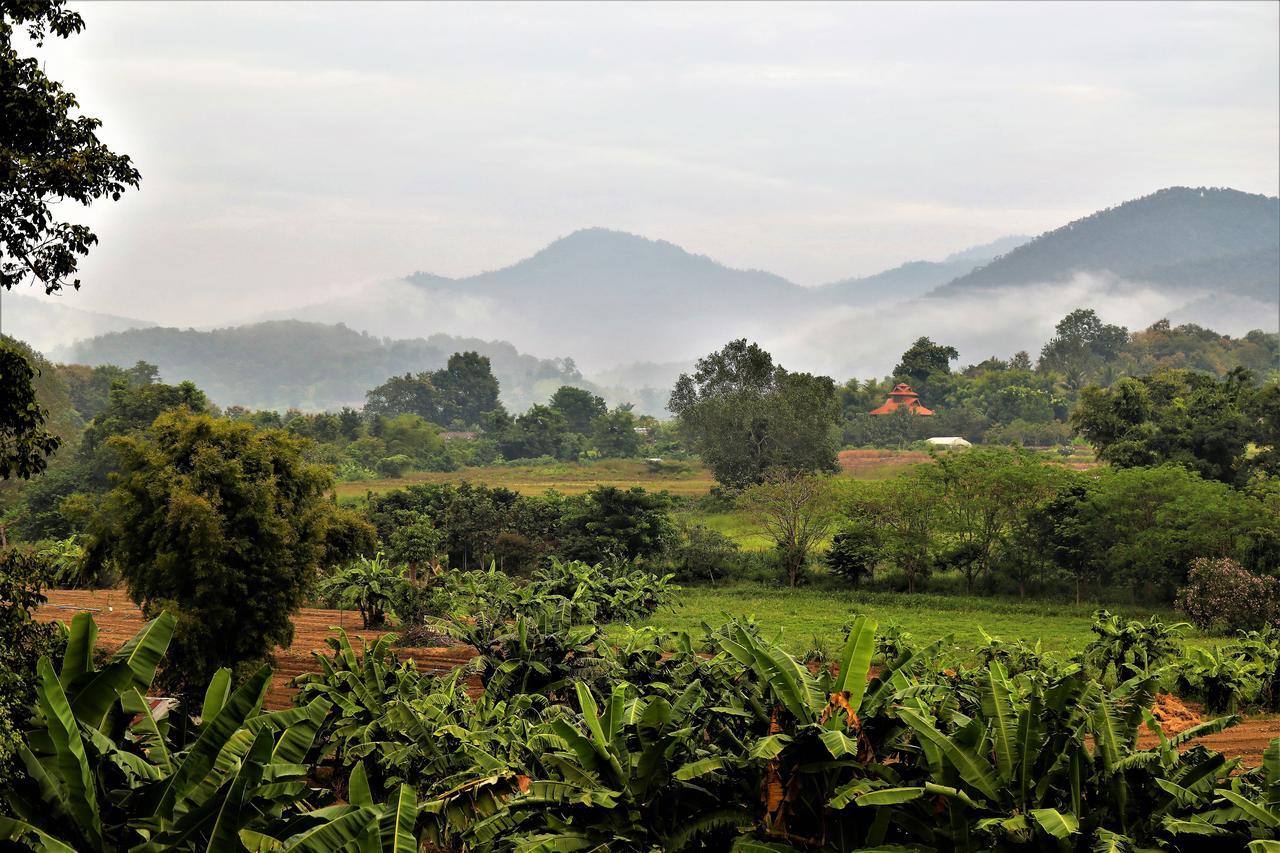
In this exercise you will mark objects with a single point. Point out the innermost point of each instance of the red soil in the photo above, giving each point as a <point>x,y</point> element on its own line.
<point>118,619</point>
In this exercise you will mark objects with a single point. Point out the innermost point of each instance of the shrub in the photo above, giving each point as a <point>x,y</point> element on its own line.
<point>1221,595</point>
<point>22,642</point>
<point>395,466</point>
<point>698,553</point>
<point>854,553</point>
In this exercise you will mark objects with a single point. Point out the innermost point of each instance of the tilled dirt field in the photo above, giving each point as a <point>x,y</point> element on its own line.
<point>119,619</point>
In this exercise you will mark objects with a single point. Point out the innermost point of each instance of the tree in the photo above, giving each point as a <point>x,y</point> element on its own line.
<point>608,523</point>
<point>541,431</point>
<point>222,525</point>
<point>1173,416</point>
<point>905,512</point>
<point>467,387</point>
<point>25,443</point>
<point>408,394</point>
<point>924,360</point>
<point>796,511</point>
<point>614,434</point>
<point>579,407</point>
<point>1081,345</point>
<point>51,155</point>
<point>745,416</point>
<point>926,367</point>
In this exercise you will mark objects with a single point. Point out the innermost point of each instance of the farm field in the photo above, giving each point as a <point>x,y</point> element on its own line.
<point>683,479</point>
<point>810,617</point>
<point>118,619</point>
<point>686,479</point>
<point>798,613</point>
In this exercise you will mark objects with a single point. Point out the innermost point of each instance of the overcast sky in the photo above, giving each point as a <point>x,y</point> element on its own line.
<point>289,151</point>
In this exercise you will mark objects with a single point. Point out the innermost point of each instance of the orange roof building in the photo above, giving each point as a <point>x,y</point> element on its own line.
<point>902,397</point>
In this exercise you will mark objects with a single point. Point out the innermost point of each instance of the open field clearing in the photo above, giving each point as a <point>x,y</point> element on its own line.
<point>683,479</point>
<point>689,479</point>
<point>809,617</point>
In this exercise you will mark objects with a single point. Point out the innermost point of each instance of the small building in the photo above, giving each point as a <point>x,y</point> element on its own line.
<point>948,442</point>
<point>902,397</point>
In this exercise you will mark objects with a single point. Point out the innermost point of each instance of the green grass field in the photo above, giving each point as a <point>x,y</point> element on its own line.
<point>809,617</point>
<point>686,479</point>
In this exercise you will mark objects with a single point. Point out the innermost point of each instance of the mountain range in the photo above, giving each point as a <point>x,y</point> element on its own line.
<point>634,312</point>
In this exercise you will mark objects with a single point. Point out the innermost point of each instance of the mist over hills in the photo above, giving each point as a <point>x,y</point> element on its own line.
<point>614,300</point>
<point>47,325</point>
<point>1219,239</point>
<point>633,313</point>
<point>312,366</point>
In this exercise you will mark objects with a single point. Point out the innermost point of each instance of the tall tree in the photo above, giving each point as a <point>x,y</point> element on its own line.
<point>468,389</point>
<point>49,154</point>
<point>405,395</point>
<point>223,525</point>
<point>579,407</point>
<point>746,416</point>
<point>1082,344</point>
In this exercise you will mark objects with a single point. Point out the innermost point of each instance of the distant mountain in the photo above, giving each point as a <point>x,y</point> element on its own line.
<point>1207,256</point>
<point>1219,240</point>
<point>47,325</point>
<point>916,278</point>
<point>311,366</point>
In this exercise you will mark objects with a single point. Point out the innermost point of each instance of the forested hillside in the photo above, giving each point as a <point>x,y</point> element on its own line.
<point>1216,239</point>
<point>313,366</point>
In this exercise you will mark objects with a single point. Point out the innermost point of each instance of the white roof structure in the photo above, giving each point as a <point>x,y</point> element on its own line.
<point>948,441</point>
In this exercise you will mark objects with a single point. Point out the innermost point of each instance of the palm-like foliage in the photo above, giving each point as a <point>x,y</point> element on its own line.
<point>101,773</point>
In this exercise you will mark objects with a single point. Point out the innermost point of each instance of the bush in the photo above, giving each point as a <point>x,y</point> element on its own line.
<point>23,641</point>
<point>395,466</point>
<point>854,553</point>
<point>698,553</point>
<point>1222,596</point>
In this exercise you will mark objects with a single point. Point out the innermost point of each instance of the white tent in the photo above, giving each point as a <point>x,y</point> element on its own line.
<point>951,442</point>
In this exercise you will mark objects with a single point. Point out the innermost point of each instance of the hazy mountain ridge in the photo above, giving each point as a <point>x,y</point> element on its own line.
<point>915,278</point>
<point>47,325</point>
<point>1163,238</point>
<point>311,366</point>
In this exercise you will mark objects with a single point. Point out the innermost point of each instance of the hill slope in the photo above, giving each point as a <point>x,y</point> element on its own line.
<point>47,325</point>
<point>1217,239</point>
<point>311,366</point>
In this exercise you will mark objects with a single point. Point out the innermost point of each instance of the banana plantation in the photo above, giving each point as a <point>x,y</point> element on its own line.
<point>556,739</point>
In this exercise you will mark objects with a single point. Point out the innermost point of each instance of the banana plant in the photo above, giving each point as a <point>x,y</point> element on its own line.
<point>635,773</point>
<point>101,774</point>
<point>1246,809</point>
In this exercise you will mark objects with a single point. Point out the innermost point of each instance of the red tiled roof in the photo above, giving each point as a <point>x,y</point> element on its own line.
<point>902,397</point>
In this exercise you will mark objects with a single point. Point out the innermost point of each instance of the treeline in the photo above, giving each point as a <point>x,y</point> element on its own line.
<point>1029,402</point>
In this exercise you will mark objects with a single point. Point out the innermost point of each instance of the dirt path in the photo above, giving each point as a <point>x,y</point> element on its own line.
<point>119,619</point>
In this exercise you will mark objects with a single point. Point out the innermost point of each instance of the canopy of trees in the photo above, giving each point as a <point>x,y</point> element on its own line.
<point>746,416</point>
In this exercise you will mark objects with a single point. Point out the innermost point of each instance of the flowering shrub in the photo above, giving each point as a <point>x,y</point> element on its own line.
<point>1222,595</point>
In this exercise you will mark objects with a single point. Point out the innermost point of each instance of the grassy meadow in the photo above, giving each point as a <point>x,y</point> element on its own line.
<point>809,617</point>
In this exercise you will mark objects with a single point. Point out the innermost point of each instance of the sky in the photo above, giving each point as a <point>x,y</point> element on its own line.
<point>292,151</point>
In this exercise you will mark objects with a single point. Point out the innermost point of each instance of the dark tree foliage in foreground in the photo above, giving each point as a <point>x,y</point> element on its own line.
<point>49,153</point>
<point>221,524</point>
<point>25,444</point>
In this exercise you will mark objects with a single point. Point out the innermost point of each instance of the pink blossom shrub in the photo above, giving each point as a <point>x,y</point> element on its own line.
<point>1221,595</point>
